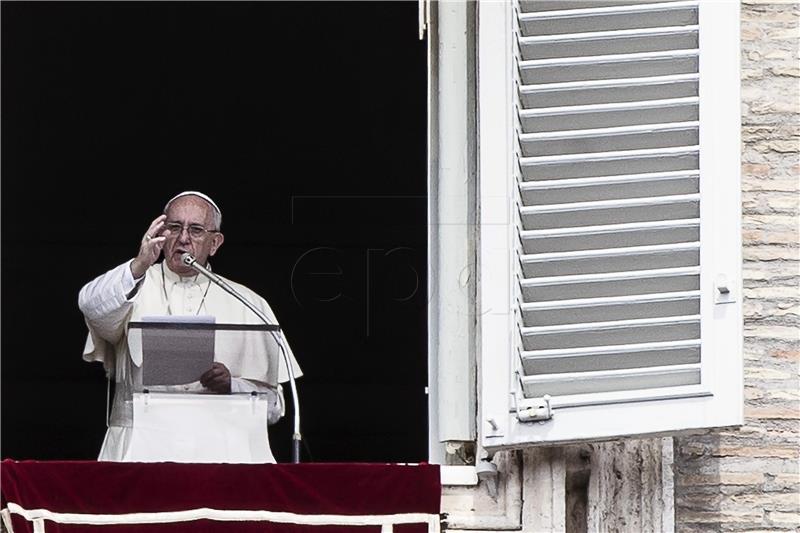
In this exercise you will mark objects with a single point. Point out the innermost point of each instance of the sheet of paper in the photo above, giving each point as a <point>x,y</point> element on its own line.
<point>176,355</point>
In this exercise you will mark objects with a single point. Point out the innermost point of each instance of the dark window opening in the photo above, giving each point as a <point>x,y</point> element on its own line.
<point>304,121</point>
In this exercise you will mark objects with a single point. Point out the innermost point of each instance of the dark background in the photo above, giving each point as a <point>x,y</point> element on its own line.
<point>304,121</point>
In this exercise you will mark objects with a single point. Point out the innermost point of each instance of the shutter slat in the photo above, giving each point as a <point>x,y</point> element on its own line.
<point>609,156</point>
<point>603,374</point>
<point>636,129</point>
<point>589,191</point>
<point>617,106</point>
<point>653,354</point>
<point>584,92</point>
<point>595,241</point>
<point>612,276</point>
<point>625,83</point>
<point>608,333</point>
<point>618,349</point>
<point>612,300</point>
<point>610,308</point>
<point>620,138</point>
<point>601,288</point>
<point>614,380</point>
<point>613,34</point>
<point>611,211</point>
<point>527,6</point>
<point>681,257</point>
<point>593,166</point>
<point>638,57</point>
<point>610,46</point>
<point>611,252</point>
<point>655,7</point>
<point>608,115</point>
<point>615,66</point>
<point>601,44</point>
<point>631,190</point>
<point>624,179</point>
<point>610,204</point>
<point>607,18</point>
<point>609,228</point>
<point>613,360</point>
<point>594,286</point>
<point>610,325</point>
<point>610,260</point>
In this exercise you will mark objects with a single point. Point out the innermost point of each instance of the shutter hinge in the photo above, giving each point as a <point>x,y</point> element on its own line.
<point>534,409</point>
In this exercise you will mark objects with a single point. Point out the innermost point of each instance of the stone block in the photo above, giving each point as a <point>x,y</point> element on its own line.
<point>781,412</point>
<point>753,169</point>
<point>769,236</point>
<point>784,518</point>
<point>770,501</point>
<point>787,333</point>
<point>723,478</point>
<point>766,310</point>
<point>792,354</point>
<point>771,293</point>
<point>783,34</point>
<point>759,203</point>
<point>764,451</point>
<point>782,54</point>
<point>784,71</point>
<point>760,392</point>
<point>784,222</point>
<point>765,183</point>
<point>717,516</point>
<point>770,253</point>
<point>792,478</point>
<point>785,104</point>
<point>754,374</point>
<point>772,272</point>
<point>752,73</point>
<point>764,465</point>
<point>752,33</point>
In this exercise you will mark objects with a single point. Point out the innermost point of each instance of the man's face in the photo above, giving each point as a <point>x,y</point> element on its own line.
<point>194,211</point>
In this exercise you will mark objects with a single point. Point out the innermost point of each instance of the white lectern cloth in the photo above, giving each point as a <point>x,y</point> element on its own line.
<point>199,428</point>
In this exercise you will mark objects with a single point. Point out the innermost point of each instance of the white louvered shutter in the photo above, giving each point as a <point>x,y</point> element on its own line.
<point>609,179</point>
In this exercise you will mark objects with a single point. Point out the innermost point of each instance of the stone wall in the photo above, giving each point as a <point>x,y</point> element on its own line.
<point>749,479</point>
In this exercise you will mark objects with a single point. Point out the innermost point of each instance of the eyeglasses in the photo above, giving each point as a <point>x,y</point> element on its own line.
<point>195,231</point>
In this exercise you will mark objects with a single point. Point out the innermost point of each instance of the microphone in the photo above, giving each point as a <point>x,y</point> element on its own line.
<point>189,260</point>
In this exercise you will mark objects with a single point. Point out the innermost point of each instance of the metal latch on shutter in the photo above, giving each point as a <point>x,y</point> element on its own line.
<point>534,409</point>
<point>723,293</point>
<point>531,409</point>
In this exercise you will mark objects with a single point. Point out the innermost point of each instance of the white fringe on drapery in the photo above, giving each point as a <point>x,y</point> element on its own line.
<point>387,521</point>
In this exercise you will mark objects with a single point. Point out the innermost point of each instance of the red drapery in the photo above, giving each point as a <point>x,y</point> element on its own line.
<point>95,488</point>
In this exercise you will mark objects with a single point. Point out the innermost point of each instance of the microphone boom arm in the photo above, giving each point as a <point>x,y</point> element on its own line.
<point>190,261</point>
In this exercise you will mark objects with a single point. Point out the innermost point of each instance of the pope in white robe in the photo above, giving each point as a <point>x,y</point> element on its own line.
<point>141,287</point>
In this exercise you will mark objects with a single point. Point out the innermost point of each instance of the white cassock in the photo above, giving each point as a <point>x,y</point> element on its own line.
<point>114,299</point>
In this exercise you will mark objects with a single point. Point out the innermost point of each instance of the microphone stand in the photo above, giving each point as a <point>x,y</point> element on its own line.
<point>190,261</point>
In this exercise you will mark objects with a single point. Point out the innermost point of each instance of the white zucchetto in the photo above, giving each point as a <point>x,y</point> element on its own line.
<point>199,195</point>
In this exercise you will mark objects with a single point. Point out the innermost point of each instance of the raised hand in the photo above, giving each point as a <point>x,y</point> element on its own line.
<point>150,247</point>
